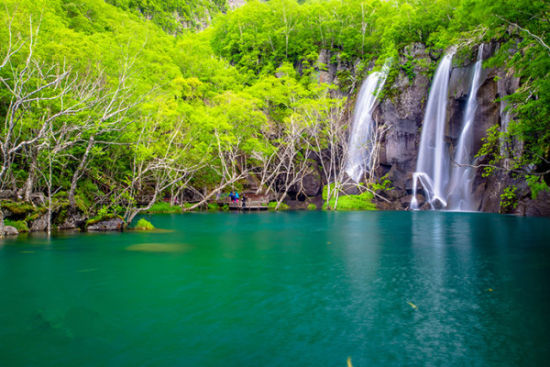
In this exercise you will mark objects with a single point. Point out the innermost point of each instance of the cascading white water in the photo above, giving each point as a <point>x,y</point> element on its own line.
<point>362,137</point>
<point>432,166</point>
<point>462,175</point>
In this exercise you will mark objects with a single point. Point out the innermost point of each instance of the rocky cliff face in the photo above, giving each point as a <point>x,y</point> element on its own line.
<point>400,114</point>
<point>234,4</point>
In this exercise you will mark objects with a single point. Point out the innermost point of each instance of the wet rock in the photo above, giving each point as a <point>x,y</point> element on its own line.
<point>460,82</point>
<point>406,201</point>
<point>311,185</point>
<point>394,194</point>
<point>488,111</point>
<point>402,113</point>
<point>112,224</point>
<point>426,206</point>
<point>384,205</point>
<point>40,224</point>
<point>10,231</point>
<point>296,204</point>
<point>535,207</point>
<point>74,220</point>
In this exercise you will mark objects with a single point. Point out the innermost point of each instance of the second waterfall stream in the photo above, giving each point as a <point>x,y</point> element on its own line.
<point>462,176</point>
<point>447,182</point>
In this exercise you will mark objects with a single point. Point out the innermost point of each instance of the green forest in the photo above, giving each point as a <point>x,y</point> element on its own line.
<point>110,107</point>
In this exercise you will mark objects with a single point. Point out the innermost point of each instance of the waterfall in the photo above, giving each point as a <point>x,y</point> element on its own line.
<point>363,134</point>
<point>432,166</point>
<point>462,177</point>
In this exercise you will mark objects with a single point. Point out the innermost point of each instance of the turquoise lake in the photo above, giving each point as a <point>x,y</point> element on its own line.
<point>282,289</point>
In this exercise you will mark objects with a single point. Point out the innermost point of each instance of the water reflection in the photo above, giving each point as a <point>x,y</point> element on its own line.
<point>284,289</point>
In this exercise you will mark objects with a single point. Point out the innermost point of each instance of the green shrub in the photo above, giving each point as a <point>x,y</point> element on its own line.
<point>144,225</point>
<point>353,202</point>
<point>20,225</point>
<point>163,207</point>
<point>273,204</point>
<point>60,195</point>
<point>508,199</point>
<point>325,190</point>
<point>311,206</point>
<point>383,184</point>
<point>536,184</point>
<point>213,207</point>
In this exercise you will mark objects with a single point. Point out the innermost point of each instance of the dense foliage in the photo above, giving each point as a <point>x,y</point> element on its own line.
<point>174,15</point>
<point>119,103</point>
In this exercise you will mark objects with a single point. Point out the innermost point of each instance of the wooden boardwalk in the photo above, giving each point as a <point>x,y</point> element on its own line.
<point>250,205</point>
<point>253,202</point>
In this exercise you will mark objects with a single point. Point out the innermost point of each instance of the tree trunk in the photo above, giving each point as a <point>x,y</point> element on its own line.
<point>50,199</point>
<point>135,211</point>
<point>78,172</point>
<point>1,223</point>
<point>281,200</point>
<point>29,183</point>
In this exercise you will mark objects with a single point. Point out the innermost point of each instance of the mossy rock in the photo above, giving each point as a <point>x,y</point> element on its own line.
<point>17,208</point>
<point>37,213</point>
<point>20,225</point>
<point>144,225</point>
<point>104,223</point>
<point>311,206</point>
<point>102,218</point>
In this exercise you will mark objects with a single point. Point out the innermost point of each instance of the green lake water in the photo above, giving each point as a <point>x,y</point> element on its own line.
<point>283,289</point>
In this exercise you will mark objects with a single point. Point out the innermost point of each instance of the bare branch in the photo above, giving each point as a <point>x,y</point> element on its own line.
<point>537,38</point>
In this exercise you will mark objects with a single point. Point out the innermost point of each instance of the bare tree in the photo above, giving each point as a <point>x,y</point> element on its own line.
<point>166,166</point>
<point>112,108</point>
<point>328,139</point>
<point>293,157</point>
<point>229,166</point>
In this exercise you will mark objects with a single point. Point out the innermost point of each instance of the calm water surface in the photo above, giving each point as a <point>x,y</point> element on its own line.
<point>283,289</point>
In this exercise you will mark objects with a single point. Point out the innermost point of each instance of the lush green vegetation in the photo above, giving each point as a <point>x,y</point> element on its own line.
<point>273,205</point>
<point>173,16</point>
<point>351,202</point>
<point>20,225</point>
<point>121,103</point>
<point>363,201</point>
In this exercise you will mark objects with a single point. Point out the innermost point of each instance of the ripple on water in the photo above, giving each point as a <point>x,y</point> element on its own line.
<point>159,247</point>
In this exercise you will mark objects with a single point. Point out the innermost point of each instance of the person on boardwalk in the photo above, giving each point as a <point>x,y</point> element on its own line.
<point>244,200</point>
<point>236,197</point>
<point>232,196</point>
